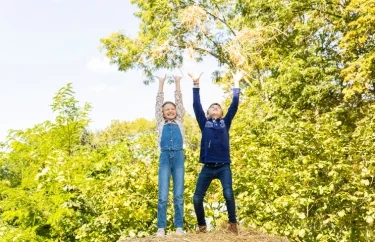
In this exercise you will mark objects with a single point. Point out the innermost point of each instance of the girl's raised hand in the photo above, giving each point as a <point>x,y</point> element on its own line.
<point>161,82</point>
<point>177,78</point>
<point>162,79</point>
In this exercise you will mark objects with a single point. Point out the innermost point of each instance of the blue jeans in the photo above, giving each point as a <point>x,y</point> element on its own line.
<point>207,174</point>
<point>171,163</point>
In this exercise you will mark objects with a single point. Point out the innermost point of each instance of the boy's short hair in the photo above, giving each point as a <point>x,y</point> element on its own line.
<point>217,104</point>
<point>168,102</point>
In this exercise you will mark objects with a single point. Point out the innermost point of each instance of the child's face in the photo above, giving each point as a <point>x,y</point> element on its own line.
<point>215,111</point>
<point>169,112</point>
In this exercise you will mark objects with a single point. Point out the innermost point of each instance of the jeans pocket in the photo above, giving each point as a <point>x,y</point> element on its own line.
<point>180,159</point>
<point>164,158</point>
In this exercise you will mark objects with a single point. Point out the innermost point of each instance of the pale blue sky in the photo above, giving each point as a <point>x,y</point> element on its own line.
<point>45,44</point>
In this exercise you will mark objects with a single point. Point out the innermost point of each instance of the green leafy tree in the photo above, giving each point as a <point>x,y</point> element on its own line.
<point>70,120</point>
<point>303,139</point>
<point>98,186</point>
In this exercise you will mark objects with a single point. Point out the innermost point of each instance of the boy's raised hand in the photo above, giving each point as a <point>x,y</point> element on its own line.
<point>195,76</point>
<point>237,77</point>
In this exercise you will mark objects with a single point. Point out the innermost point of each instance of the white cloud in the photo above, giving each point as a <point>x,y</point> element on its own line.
<point>101,65</point>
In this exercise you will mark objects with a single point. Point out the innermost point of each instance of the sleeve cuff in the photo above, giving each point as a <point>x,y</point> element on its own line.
<point>236,90</point>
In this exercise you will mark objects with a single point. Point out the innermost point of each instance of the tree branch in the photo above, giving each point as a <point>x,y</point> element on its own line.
<point>219,49</point>
<point>215,17</point>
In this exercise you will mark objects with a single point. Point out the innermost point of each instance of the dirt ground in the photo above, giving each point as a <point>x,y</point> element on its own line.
<point>249,235</point>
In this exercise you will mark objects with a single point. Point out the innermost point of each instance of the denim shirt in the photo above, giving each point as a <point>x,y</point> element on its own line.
<point>171,137</point>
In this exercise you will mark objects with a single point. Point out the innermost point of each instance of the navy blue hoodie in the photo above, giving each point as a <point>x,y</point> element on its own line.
<point>215,133</point>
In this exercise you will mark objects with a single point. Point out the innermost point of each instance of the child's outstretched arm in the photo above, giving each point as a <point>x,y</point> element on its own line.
<point>235,99</point>
<point>198,110</point>
<point>159,101</point>
<point>180,110</point>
